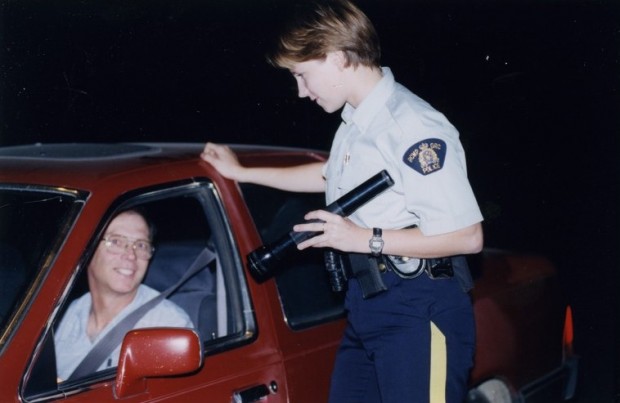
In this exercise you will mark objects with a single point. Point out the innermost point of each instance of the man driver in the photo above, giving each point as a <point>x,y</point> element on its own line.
<point>115,275</point>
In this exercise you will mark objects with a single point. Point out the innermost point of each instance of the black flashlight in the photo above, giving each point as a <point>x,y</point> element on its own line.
<point>264,261</point>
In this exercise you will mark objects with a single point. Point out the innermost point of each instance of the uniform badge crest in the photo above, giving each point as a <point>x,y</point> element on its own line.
<point>426,156</point>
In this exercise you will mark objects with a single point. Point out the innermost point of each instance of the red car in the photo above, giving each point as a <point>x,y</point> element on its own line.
<point>270,341</point>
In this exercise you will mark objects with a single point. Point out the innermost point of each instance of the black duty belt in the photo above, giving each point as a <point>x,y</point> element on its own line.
<point>368,270</point>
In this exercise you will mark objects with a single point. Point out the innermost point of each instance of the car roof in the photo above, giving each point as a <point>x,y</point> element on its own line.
<point>81,165</point>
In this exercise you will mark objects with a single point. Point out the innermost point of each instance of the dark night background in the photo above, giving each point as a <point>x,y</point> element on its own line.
<point>532,86</point>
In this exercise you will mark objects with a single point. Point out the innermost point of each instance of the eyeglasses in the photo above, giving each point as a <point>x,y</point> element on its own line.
<point>118,244</point>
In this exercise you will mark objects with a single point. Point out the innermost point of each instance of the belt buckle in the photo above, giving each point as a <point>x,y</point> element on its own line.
<point>406,267</point>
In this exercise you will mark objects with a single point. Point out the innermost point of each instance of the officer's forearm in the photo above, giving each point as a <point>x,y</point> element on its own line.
<point>411,242</point>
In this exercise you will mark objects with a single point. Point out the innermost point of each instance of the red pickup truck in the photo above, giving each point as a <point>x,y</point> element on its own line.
<point>272,341</point>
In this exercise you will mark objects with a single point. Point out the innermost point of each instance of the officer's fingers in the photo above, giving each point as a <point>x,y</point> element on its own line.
<point>211,148</point>
<point>312,215</point>
<point>302,227</point>
<point>209,151</point>
<point>322,215</point>
<point>316,241</point>
<point>314,226</point>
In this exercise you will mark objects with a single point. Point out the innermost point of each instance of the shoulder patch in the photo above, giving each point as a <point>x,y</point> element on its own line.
<point>426,156</point>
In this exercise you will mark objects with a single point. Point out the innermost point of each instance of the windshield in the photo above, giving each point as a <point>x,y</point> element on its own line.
<point>32,224</point>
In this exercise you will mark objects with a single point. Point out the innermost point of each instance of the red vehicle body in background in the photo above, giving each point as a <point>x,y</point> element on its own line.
<point>273,341</point>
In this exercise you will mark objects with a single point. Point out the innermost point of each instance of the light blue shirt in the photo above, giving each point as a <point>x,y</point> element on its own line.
<point>394,129</point>
<point>72,343</point>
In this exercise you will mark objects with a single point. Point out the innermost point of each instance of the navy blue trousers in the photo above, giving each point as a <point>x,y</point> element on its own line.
<point>385,355</point>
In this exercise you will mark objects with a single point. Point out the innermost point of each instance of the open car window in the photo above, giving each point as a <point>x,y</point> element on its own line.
<point>303,284</point>
<point>188,220</point>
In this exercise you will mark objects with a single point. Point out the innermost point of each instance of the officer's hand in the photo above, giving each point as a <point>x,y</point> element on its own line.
<point>334,232</point>
<point>223,159</point>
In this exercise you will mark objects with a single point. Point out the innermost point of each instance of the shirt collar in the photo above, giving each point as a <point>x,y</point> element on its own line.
<point>364,114</point>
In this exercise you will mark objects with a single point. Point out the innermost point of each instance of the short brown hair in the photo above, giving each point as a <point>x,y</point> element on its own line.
<point>323,26</point>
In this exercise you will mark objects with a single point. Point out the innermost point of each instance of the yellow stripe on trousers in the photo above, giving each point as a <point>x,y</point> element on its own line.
<point>439,365</point>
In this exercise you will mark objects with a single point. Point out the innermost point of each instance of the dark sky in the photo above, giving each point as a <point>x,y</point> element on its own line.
<point>532,86</point>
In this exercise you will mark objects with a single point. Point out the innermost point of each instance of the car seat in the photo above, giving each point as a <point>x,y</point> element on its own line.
<point>198,295</point>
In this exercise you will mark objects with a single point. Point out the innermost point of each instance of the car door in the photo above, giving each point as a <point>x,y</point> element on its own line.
<point>308,314</point>
<point>242,359</point>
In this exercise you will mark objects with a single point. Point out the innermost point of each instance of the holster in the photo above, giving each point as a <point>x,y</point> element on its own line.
<point>462,272</point>
<point>448,267</point>
<point>365,268</point>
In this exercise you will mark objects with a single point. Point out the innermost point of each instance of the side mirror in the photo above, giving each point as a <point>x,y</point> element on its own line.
<point>155,352</point>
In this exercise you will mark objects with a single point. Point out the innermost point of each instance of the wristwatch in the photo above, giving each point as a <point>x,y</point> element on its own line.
<point>376,242</point>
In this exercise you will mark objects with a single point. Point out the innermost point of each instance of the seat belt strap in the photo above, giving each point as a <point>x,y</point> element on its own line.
<point>95,357</point>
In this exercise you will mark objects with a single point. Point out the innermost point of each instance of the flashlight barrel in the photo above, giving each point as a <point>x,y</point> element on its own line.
<point>267,259</point>
<point>351,201</point>
<point>362,194</point>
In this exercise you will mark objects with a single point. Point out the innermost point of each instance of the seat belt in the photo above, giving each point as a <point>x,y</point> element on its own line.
<point>92,361</point>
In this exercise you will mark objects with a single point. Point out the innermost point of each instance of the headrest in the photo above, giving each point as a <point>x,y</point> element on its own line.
<point>170,261</point>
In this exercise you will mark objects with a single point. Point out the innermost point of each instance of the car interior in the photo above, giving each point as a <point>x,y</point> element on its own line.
<point>303,286</point>
<point>187,221</point>
<point>184,226</point>
<point>198,295</point>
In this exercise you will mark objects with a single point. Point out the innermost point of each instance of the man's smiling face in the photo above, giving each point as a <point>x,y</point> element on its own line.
<point>120,274</point>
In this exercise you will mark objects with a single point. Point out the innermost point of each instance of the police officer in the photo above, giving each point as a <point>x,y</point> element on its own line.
<point>413,342</point>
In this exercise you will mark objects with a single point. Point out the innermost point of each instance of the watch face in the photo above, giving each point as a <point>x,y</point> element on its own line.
<point>376,245</point>
<point>376,242</point>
